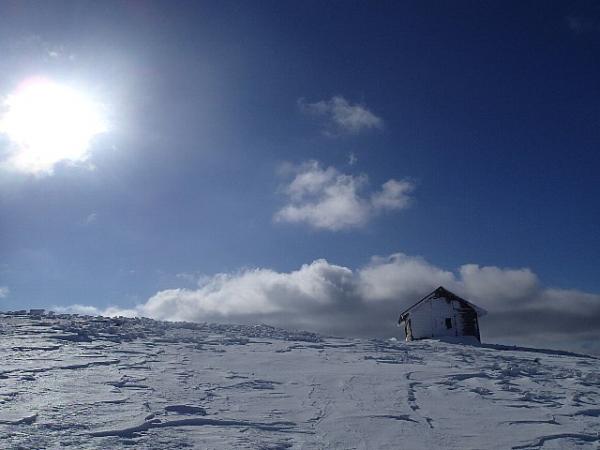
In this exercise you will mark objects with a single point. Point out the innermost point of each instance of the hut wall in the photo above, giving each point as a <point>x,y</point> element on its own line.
<point>466,319</point>
<point>430,319</point>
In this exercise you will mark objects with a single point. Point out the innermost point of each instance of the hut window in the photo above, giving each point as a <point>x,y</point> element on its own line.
<point>448,323</point>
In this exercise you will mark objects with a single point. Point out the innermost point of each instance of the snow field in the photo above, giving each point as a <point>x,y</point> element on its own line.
<point>83,383</point>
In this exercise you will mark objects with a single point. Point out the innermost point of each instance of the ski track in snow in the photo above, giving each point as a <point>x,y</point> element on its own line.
<point>87,383</point>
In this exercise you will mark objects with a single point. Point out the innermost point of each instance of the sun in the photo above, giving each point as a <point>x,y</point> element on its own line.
<point>48,122</point>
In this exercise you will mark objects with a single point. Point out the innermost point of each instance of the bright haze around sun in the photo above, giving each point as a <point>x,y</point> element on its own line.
<point>48,122</point>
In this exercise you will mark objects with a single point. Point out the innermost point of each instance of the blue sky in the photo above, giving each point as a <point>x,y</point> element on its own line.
<point>484,115</point>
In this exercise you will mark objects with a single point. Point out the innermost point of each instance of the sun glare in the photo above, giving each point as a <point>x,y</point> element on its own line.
<point>48,122</point>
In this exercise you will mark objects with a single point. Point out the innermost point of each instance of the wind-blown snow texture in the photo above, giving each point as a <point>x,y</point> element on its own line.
<point>82,382</point>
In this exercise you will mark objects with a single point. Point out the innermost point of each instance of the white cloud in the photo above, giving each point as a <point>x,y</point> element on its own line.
<point>255,292</point>
<point>4,291</point>
<point>342,117</point>
<point>91,218</point>
<point>507,285</point>
<point>399,276</point>
<point>87,310</point>
<point>334,299</point>
<point>194,278</point>
<point>328,199</point>
<point>394,194</point>
<point>79,309</point>
<point>581,24</point>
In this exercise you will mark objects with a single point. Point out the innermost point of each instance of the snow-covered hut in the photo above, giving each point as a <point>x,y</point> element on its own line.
<point>441,314</point>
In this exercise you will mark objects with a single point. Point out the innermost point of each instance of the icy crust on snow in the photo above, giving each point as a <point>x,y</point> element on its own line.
<point>88,382</point>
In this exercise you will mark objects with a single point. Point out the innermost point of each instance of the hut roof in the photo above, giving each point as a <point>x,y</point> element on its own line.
<point>442,292</point>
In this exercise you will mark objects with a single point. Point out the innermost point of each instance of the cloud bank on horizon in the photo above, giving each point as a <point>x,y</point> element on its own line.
<point>338,300</point>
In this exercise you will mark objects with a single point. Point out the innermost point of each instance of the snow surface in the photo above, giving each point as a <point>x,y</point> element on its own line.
<point>83,382</point>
